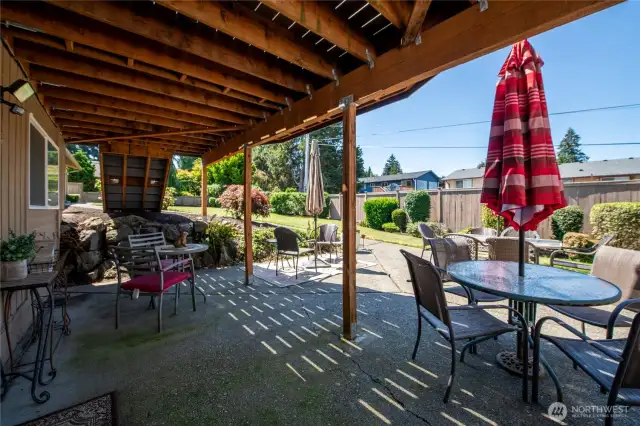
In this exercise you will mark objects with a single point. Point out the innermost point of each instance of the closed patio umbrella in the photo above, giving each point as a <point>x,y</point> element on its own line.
<point>521,180</point>
<point>315,189</point>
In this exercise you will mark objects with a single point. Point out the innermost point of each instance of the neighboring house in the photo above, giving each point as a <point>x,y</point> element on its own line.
<point>592,171</point>
<point>402,182</point>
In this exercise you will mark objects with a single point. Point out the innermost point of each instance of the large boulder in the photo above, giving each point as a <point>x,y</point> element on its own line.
<point>90,240</point>
<point>114,236</point>
<point>133,221</point>
<point>94,224</point>
<point>185,227</point>
<point>199,226</point>
<point>171,233</point>
<point>89,260</point>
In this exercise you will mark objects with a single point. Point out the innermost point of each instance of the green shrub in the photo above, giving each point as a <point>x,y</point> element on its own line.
<point>290,190</point>
<point>439,229</point>
<point>378,211</point>
<point>622,219</point>
<point>261,248</point>
<point>418,205</point>
<point>222,237</point>
<point>73,198</point>
<point>390,227</point>
<point>400,218</point>
<point>232,199</point>
<point>169,198</point>
<point>578,240</point>
<point>568,219</point>
<point>490,219</point>
<point>215,190</point>
<point>18,247</point>
<point>186,194</point>
<point>466,230</point>
<point>213,202</point>
<point>364,223</point>
<point>289,203</point>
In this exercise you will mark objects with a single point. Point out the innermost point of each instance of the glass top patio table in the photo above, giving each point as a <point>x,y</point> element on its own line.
<point>541,284</point>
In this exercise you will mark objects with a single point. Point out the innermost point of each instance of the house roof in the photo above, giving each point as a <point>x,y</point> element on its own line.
<point>623,166</point>
<point>387,178</point>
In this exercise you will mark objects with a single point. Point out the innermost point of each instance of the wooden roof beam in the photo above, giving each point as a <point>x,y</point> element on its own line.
<point>395,11</point>
<point>263,35</point>
<point>151,135</point>
<point>91,85</point>
<point>157,113</point>
<point>49,58</point>
<point>122,16</point>
<point>473,33</point>
<point>416,19</point>
<point>319,19</point>
<point>67,25</point>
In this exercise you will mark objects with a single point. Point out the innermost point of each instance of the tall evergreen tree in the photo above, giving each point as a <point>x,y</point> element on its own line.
<point>392,166</point>
<point>481,164</point>
<point>369,172</point>
<point>569,150</point>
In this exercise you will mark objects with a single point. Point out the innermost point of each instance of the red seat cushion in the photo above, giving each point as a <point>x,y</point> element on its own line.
<point>166,262</point>
<point>151,283</point>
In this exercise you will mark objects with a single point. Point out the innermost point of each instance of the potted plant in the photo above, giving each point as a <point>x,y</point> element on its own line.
<point>14,253</point>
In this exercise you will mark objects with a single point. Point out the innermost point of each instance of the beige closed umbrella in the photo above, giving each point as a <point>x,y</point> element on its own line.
<point>315,189</point>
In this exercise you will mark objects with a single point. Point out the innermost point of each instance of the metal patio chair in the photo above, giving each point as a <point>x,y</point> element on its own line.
<point>446,251</point>
<point>622,268</point>
<point>287,245</point>
<point>142,265</point>
<point>327,236</point>
<point>426,233</point>
<point>511,232</point>
<point>613,363</point>
<point>553,260</point>
<point>507,249</point>
<point>468,322</point>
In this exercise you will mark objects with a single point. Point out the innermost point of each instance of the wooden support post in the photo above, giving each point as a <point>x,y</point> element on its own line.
<point>349,220</point>
<point>248,232</point>
<point>204,198</point>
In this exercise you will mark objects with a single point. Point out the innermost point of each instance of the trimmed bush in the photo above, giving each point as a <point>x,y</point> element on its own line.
<point>215,190</point>
<point>490,219</point>
<point>622,219</point>
<point>169,198</point>
<point>390,227</point>
<point>213,202</point>
<point>418,205</point>
<point>261,248</point>
<point>73,198</point>
<point>288,203</point>
<point>400,218</point>
<point>578,240</point>
<point>378,211</point>
<point>232,199</point>
<point>364,223</point>
<point>439,229</point>
<point>568,219</point>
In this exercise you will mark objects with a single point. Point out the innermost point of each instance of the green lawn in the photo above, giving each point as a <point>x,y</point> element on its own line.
<point>307,223</point>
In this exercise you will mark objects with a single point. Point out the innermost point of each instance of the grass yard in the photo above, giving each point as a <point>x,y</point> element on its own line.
<point>307,222</point>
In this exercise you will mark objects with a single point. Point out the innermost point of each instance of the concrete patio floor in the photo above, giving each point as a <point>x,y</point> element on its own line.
<point>269,355</point>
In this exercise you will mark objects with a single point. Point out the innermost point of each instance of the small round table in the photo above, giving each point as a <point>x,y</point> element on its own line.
<point>172,251</point>
<point>541,284</point>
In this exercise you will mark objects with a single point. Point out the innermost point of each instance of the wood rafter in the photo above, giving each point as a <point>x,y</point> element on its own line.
<point>67,62</point>
<point>160,134</point>
<point>65,93</point>
<point>70,26</point>
<point>120,15</point>
<point>263,35</point>
<point>396,12</point>
<point>416,19</point>
<point>127,93</point>
<point>500,25</point>
<point>319,19</point>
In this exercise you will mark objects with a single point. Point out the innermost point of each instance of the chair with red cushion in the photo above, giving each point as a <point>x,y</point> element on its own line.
<point>149,276</point>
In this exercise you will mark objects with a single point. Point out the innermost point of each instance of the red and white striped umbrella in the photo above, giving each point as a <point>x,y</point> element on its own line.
<point>521,180</point>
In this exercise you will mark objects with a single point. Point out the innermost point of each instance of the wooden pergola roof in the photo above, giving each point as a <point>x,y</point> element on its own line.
<point>205,77</point>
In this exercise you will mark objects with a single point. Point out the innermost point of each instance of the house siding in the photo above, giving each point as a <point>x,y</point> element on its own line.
<point>14,193</point>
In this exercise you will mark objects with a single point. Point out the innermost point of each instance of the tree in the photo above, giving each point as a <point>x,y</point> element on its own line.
<point>184,162</point>
<point>392,166</point>
<point>569,150</point>
<point>190,180</point>
<point>86,174</point>
<point>369,173</point>
<point>481,164</point>
<point>279,166</point>
<point>229,171</point>
<point>91,150</point>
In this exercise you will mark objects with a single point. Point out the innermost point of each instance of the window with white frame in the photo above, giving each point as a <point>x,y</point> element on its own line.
<point>43,168</point>
<point>464,183</point>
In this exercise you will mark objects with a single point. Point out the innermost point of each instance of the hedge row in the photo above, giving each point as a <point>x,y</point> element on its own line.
<point>292,203</point>
<point>621,219</point>
<point>378,211</point>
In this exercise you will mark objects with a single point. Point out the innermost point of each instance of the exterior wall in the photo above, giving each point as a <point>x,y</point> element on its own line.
<point>14,193</point>
<point>451,183</point>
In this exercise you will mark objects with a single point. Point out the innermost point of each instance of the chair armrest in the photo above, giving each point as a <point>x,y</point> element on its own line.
<point>468,236</point>
<point>583,337</point>
<point>521,320</point>
<point>616,312</point>
<point>178,263</point>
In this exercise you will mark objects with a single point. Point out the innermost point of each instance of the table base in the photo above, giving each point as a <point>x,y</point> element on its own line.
<point>513,364</point>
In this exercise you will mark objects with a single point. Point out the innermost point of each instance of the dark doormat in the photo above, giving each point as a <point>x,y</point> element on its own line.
<point>99,411</point>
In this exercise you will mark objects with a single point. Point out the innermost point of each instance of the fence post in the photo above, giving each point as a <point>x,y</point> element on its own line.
<point>398,198</point>
<point>441,200</point>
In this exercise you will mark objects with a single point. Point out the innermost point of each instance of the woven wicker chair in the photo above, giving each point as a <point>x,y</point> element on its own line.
<point>511,232</point>
<point>487,232</point>
<point>507,249</point>
<point>446,251</point>
<point>622,268</point>
<point>613,363</point>
<point>469,322</point>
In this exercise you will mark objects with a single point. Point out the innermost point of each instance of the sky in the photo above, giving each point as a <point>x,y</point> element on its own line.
<point>590,63</point>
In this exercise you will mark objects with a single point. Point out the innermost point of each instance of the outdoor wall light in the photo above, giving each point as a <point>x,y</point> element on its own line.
<point>21,90</point>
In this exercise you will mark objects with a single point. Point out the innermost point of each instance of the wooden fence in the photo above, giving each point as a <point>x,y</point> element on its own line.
<point>460,208</point>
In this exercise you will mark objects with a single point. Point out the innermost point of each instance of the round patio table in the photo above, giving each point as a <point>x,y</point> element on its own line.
<point>172,251</point>
<point>541,284</point>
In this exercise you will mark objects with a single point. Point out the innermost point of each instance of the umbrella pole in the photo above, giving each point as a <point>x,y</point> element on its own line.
<point>521,253</point>
<point>315,244</point>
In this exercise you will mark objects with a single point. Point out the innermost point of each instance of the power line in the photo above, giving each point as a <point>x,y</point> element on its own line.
<point>476,146</point>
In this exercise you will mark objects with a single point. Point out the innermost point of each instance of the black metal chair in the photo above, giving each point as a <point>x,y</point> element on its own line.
<point>622,268</point>
<point>613,363</point>
<point>427,234</point>
<point>446,251</point>
<point>468,322</point>
<point>287,245</point>
<point>327,236</point>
